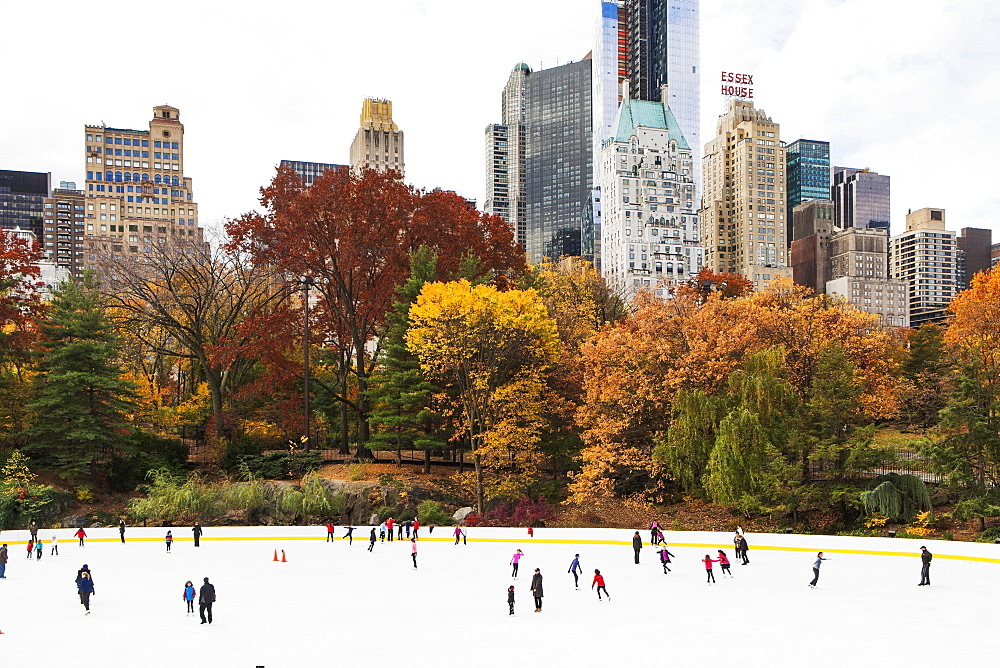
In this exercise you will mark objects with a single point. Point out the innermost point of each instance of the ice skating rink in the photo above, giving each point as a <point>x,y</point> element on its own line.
<point>338,604</point>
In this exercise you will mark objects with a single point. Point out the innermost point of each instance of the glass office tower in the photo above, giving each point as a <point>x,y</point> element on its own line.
<point>558,160</point>
<point>21,198</point>
<point>860,198</point>
<point>807,174</point>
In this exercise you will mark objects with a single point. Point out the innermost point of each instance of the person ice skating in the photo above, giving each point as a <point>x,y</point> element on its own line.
<point>816,564</point>
<point>399,531</point>
<point>416,527</point>
<point>576,570</point>
<point>925,566</point>
<point>708,561</point>
<point>372,538</point>
<point>536,589</point>
<point>458,534</point>
<point>206,597</point>
<point>121,529</point>
<point>196,530</point>
<point>743,549</point>
<point>54,552</point>
<point>38,550</point>
<point>514,562</point>
<point>381,532</point>
<point>85,588</point>
<point>33,530</point>
<point>665,555</point>
<point>510,598</point>
<point>349,535</point>
<point>531,532</point>
<point>3,561</point>
<point>413,551</point>
<point>188,597</point>
<point>654,529</point>
<point>408,525</point>
<point>636,545</point>
<point>85,569</point>
<point>31,547</point>
<point>169,540</point>
<point>329,532</point>
<point>389,525</point>
<point>724,564</point>
<point>599,583</point>
<point>81,535</point>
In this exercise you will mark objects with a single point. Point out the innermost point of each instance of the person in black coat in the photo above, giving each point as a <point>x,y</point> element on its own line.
<point>743,549</point>
<point>121,529</point>
<point>536,589</point>
<point>196,530</point>
<point>372,539</point>
<point>206,597</point>
<point>510,598</point>
<point>925,567</point>
<point>636,545</point>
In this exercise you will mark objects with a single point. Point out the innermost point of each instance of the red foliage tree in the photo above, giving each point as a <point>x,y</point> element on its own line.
<point>20,304</point>
<point>351,234</point>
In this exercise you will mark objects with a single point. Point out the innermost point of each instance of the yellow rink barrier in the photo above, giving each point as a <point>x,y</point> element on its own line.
<point>362,538</point>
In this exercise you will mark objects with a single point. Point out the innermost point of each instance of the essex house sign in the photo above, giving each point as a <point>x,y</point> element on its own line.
<point>737,84</point>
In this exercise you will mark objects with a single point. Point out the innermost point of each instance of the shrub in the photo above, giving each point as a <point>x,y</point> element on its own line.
<point>280,464</point>
<point>898,497</point>
<point>989,535</point>
<point>431,512</point>
<point>357,471</point>
<point>526,512</point>
<point>239,448</point>
<point>313,499</point>
<point>385,512</point>
<point>141,453</point>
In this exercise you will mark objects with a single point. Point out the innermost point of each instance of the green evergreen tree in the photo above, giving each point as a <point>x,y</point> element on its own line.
<point>688,444</point>
<point>81,400</point>
<point>402,417</point>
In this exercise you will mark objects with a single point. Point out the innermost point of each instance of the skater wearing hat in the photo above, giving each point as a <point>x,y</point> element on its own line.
<point>925,567</point>
<point>536,589</point>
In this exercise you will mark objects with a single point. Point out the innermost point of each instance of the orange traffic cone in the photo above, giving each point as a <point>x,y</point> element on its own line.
<point>275,555</point>
<point>283,560</point>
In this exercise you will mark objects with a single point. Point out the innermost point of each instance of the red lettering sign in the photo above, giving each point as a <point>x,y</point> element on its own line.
<point>737,78</point>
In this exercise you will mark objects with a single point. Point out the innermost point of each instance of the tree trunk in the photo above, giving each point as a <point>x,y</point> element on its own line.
<point>427,461</point>
<point>480,501</point>
<point>215,390</point>
<point>345,446</point>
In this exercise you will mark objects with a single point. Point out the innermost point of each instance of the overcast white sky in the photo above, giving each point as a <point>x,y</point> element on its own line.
<point>909,88</point>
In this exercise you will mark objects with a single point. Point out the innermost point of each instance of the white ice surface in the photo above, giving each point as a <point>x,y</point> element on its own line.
<point>333,604</point>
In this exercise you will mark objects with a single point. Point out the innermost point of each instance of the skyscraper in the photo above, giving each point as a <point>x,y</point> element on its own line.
<point>65,222</point>
<point>860,198</point>
<point>743,215</point>
<point>21,198</point>
<point>974,248</point>
<point>859,272</point>
<point>807,173</point>
<point>650,226</point>
<point>925,256</point>
<point>558,159</point>
<point>664,49</point>
<point>378,143</point>
<point>137,193</point>
<point>505,156</point>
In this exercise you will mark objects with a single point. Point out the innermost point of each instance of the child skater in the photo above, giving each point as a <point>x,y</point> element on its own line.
<point>54,552</point>
<point>38,549</point>
<point>724,564</point>
<point>599,583</point>
<point>169,540</point>
<point>31,547</point>
<point>665,555</point>
<point>189,597</point>
<point>708,561</point>
<point>510,598</point>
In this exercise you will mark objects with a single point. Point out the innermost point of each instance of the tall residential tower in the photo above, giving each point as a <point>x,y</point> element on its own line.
<point>378,143</point>
<point>137,193</point>
<point>743,216</point>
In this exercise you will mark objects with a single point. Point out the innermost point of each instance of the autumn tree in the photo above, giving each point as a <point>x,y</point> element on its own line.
<point>82,403</point>
<point>927,376</point>
<point>20,308</point>
<point>495,346</point>
<point>968,449</point>
<point>351,234</point>
<point>207,302</point>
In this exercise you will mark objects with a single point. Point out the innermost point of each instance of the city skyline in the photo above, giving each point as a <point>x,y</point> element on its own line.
<point>257,87</point>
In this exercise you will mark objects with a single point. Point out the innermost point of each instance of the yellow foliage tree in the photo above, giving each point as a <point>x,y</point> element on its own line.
<point>495,347</point>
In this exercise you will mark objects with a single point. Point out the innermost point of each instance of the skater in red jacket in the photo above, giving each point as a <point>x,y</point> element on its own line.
<point>708,561</point>
<point>81,534</point>
<point>599,583</point>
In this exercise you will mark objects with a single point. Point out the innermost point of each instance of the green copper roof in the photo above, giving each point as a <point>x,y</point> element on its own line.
<point>636,113</point>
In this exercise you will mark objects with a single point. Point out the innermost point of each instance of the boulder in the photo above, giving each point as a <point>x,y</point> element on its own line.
<point>462,513</point>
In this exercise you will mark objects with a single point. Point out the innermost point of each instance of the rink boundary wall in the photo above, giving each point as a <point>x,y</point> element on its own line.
<point>888,547</point>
